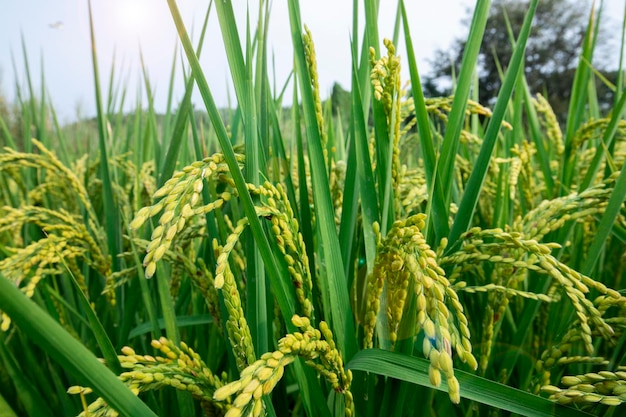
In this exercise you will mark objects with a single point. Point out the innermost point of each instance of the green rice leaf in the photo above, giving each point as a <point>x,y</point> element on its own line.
<point>68,352</point>
<point>415,370</point>
<point>114,235</point>
<point>282,290</point>
<point>5,408</point>
<point>479,173</point>
<point>615,204</point>
<point>342,322</point>
<point>578,99</point>
<point>26,392</point>
<point>456,119</point>
<point>177,137</point>
<point>607,141</point>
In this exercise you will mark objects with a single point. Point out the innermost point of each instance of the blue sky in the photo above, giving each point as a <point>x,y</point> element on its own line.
<point>56,33</point>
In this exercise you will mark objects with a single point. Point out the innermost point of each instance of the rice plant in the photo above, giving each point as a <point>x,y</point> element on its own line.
<point>432,257</point>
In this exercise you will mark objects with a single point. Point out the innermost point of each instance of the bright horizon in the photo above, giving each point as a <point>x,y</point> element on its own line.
<point>57,34</point>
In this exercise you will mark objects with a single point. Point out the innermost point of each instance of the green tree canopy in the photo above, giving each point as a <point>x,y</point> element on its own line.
<point>551,57</point>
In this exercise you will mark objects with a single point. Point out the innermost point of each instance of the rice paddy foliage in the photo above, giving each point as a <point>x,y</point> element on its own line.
<point>248,266</point>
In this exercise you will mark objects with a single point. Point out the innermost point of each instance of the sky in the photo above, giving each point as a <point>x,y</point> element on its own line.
<point>56,38</point>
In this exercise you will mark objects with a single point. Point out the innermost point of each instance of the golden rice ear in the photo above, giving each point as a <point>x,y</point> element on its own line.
<point>385,79</point>
<point>311,61</point>
<point>180,200</point>
<point>549,123</point>
<point>405,262</point>
<point>319,350</point>
<point>176,366</point>
<point>602,387</point>
<point>286,231</point>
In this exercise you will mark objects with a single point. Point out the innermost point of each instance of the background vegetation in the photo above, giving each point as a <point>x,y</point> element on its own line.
<point>551,56</point>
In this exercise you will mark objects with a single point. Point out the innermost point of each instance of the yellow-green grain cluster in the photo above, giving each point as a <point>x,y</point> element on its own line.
<point>550,124</point>
<point>286,231</point>
<point>404,262</point>
<point>311,61</point>
<point>316,347</point>
<point>236,324</point>
<point>180,200</point>
<point>177,366</point>
<point>530,255</point>
<point>602,387</point>
<point>385,77</point>
<point>71,235</point>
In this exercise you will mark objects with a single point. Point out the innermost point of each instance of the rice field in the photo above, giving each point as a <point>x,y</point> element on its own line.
<point>432,257</point>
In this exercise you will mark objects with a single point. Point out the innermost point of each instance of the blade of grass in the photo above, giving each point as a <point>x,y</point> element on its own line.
<point>68,352</point>
<point>177,138</point>
<point>538,140</point>
<point>241,71</point>
<point>167,117</point>
<point>112,90</point>
<point>41,128</point>
<point>305,215</point>
<point>112,222</point>
<point>369,202</point>
<point>578,99</point>
<point>620,69</point>
<point>27,394</point>
<point>383,142</point>
<point>415,370</point>
<point>603,231</point>
<point>423,125</point>
<point>310,389</point>
<point>284,293</point>
<point>151,123</point>
<point>99,333</point>
<point>342,321</point>
<point>31,92</point>
<point>184,401</point>
<point>479,173</point>
<point>6,134</point>
<point>349,207</point>
<point>62,140</point>
<point>146,293</point>
<point>607,141</point>
<point>5,408</point>
<point>456,119</point>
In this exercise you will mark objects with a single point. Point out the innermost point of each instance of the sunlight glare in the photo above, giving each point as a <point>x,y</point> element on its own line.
<point>133,16</point>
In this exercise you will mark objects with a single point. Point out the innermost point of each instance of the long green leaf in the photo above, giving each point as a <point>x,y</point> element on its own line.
<point>5,408</point>
<point>99,333</point>
<point>342,321</point>
<point>415,370</point>
<point>26,392</point>
<point>369,203</point>
<point>241,71</point>
<point>383,141</point>
<point>538,140</point>
<point>114,234</point>
<point>284,293</point>
<point>578,99</point>
<point>479,173</point>
<point>615,204</point>
<point>450,144</point>
<point>182,115</point>
<point>423,125</point>
<point>607,141</point>
<point>68,352</point>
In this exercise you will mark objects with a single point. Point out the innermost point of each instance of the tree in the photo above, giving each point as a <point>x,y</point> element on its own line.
<point>551,54</point>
